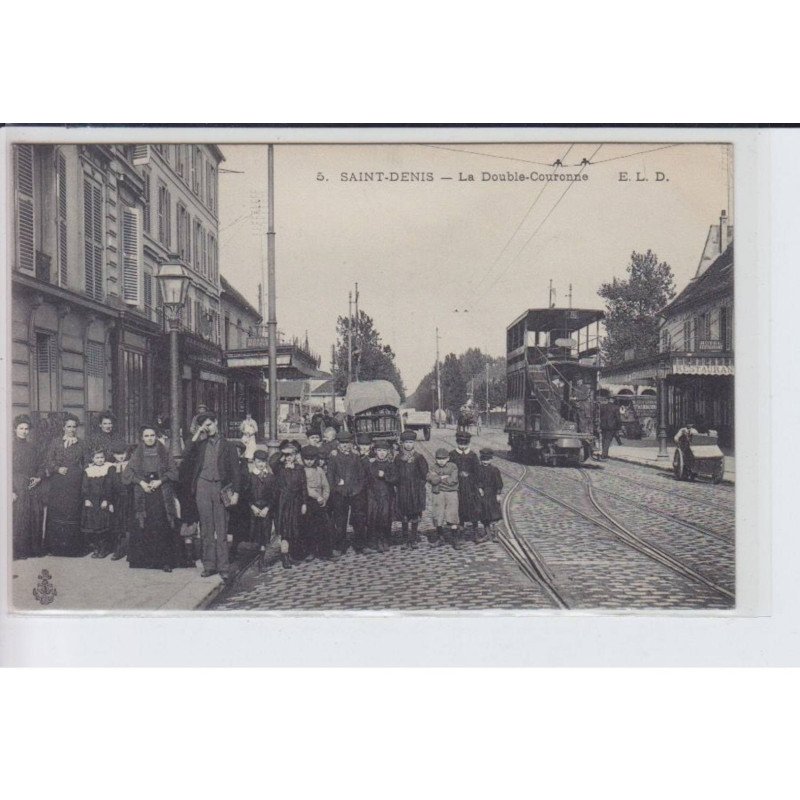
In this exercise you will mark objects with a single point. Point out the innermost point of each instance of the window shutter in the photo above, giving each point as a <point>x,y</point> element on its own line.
<point>26,242</point>
<point>98,248</point>
<point>61,175</point>
<point>146,220</point>
<point>204,261</point>
<point>88,246</point>
<point>141,154</point>
<point>169,219</point>
<point>131,260</point>
<point>148,294</point>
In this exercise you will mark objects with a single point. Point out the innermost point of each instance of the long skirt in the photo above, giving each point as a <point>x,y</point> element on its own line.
<point>469,499</point>
<point>63,535</point>
<point>152,542</point>
<point>27,525</point>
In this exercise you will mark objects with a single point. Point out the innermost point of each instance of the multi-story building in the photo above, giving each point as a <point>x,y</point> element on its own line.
<point>91,225</point>
<point>695,363</point>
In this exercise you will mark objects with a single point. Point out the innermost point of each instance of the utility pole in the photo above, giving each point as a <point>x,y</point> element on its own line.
<point>358,338</point>
<point>333,380</point>
<point>349,337</point>
<point>438,375</point>
<point>550,302</point>
<point>272,322</point>
<point>487,393</point>
<point>570,295</point>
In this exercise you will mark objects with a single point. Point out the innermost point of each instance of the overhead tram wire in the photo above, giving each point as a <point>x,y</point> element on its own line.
<point>471,292</point>
<point>631,155</point>
<point>486,155</point>
<point>540,225</point>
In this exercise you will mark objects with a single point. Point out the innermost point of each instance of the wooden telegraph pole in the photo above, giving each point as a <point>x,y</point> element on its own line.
<point>272,320</point>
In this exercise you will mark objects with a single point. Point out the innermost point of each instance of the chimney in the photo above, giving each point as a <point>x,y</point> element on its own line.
<point>723,230</point>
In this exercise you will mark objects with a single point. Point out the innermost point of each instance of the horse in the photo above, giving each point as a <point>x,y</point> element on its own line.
<point>467,417</point>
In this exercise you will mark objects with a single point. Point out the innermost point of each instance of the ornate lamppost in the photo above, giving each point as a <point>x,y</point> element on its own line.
<point>174,280</point>
<point>661,373</point>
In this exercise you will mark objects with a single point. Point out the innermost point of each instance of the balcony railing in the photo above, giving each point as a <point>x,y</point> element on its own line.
<point>710,345</point>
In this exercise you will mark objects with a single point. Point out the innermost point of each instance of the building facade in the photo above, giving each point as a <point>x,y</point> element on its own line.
<point>92,223</point>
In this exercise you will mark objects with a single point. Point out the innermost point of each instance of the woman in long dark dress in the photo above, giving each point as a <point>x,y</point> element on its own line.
<point>152,472</point>
<point>25,479</point>
<point>290,492</point>
<point>64,463</point>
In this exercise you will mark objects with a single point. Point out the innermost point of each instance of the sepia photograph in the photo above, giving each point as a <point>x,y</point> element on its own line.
<point>438,376</point>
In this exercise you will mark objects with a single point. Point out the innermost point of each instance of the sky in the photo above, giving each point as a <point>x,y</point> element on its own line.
<point>465,255</point>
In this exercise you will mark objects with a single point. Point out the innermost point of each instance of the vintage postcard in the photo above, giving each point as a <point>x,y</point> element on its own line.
<point>445,374</point>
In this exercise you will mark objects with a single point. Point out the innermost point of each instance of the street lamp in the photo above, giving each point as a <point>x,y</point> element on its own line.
<point>173,280</point>
<point>661,373</point>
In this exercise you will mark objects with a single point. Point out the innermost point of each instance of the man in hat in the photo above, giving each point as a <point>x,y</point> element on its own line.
<point>212,470</point>
<point>443,478</point>
<point>195,424</point>
<point>347,480</point>
<point>412,471</point>
<point>469,491</point>
<point>610,422</point>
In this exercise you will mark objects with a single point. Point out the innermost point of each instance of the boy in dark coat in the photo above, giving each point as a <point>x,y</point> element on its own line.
<point>260,500</point>
<point>291,493</point>
<point>491,482</point>
<point>346,478</point>
<point>412,470</point>
<point>316,523</point>
<point>470,494</point>
<point>381,482</point>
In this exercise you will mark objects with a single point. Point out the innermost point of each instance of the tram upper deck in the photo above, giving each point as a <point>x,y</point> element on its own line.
<point>541,335</point>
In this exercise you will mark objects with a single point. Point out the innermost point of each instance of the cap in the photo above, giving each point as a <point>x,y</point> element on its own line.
<point>309,451</point>
<point>486,452</point>
<point>408,436</point>
<point>382,444</point>
<point>363,438</point>
<point>287,445</point>
<point>205,416</point>
<point>442,453</point>
<point>262,455</point>
<point>344,436</point>
<point>463,436</point>
<point>313,432</point>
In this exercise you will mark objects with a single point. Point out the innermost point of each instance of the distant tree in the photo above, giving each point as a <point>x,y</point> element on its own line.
<point>372,359</point>
<point>632,307</point>
<point>497,384</point>
<point>454,386</point>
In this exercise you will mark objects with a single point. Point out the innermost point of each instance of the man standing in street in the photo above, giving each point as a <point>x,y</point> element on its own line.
<point>212,467</point>
<point>610,423</point>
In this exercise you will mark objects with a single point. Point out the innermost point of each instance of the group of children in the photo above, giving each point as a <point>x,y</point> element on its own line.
<point>312,495</point>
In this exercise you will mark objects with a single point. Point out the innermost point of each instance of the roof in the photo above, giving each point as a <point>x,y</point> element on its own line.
<point>236,296</point>
<point>560,319</point>
<point>362,395</point>
<point>716,279</point>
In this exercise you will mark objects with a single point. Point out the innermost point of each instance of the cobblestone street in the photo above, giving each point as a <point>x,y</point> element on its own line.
<point>683,556</point>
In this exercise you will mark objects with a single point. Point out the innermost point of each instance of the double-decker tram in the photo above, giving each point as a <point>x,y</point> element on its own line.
<point>552,373</point>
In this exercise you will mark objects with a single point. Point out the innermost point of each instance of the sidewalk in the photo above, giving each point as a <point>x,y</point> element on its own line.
<point>92,584</point>
<point>646,453</point>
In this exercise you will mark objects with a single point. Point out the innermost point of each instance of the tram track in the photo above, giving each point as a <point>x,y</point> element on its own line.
<point>611,525</point>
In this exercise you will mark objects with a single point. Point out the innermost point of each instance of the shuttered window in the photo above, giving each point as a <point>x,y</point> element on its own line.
<point>146,205</point>
<point>212,257</point>
<point>95,360</point>
<point>182,225</point>
<point>195,169</point>
<point>131,256</point>
<point>141,154</point>
<point>164,216</point>
<point>180,164</point>
<point>93,239</point>
<point>204,254</point>
<point>26,241</point>
<point>61,186</point>
<point>45,372</point>
<point>148,295</point>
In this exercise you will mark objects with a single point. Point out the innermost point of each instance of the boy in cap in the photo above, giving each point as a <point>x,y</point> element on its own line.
<point>443,478</point>
<point>470,493</point>
<point>492,485</point>
<point>346,478</point>
<point>316,523</point>
<point>363,450</point>
<point>260,498</point>
<point>329,446</point>
<point>412,471</point>
<point>381,480</point>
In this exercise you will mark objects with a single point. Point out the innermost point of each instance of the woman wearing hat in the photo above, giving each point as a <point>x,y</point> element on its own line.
<point>469,491</point>
<point>64,462</point>
<point>26,476</point>
<point>412,471</point>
